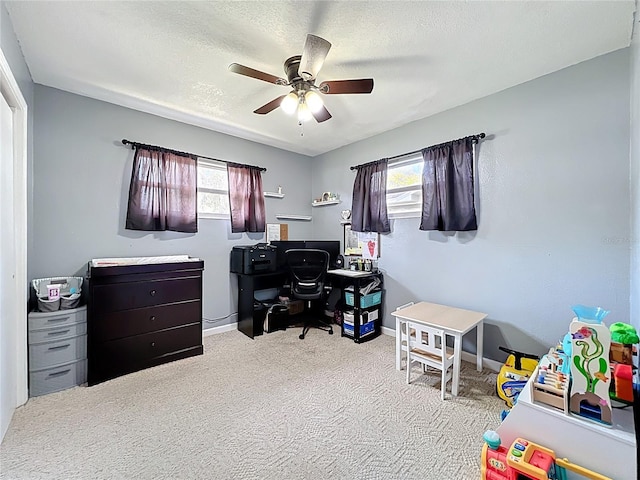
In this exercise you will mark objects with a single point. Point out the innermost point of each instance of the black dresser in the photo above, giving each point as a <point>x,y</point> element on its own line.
<point>142,315</point>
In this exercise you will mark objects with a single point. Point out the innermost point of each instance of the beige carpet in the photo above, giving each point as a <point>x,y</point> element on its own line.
<point>271,408</point>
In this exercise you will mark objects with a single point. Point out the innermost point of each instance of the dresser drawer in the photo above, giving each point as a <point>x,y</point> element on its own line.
<point>125,323</point>
<point>44,355</point>
<point>128,295</point>
<point>39,320</point>
<point>153,344</point>
<point>57,333</point>
<point>57,378</point>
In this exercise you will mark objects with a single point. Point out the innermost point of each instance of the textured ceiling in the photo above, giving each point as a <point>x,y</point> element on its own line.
<point>171,58</point>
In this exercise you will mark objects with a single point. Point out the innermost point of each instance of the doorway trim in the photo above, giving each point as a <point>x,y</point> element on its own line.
<point>10,90</point>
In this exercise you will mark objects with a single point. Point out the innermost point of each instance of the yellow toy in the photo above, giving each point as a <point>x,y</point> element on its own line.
<point>514,374</point>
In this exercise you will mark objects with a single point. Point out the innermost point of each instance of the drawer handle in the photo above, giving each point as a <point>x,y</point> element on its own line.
<point>58,374</point>
<point>153,344</point>
<point>152,293</point>
<point>62,332</point>
<point>60,347</point>
<point>58,319</point>
<point>152,318</point>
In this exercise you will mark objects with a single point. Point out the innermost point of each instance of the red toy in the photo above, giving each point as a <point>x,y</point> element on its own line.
<point>623,382</point>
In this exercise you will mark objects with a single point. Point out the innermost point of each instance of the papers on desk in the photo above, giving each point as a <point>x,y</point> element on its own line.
<point>349,273</point>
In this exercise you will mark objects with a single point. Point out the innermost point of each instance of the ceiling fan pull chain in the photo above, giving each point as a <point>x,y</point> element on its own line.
<point>301,123</point>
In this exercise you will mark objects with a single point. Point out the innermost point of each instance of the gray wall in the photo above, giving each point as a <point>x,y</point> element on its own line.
<point>553,207</point>
<point>81,180</point>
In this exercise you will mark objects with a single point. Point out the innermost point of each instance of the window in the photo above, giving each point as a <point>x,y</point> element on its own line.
<point>404,186</point>
<point>213,189</point>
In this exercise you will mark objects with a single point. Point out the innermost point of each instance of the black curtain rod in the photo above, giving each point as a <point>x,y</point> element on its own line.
<point>474,139</point>
<point>168,150</point>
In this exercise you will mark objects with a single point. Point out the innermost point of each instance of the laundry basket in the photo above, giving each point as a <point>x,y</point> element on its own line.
<point>70,290</point>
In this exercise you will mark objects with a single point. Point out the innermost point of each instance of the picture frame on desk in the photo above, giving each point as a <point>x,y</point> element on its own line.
<point>361,244</point>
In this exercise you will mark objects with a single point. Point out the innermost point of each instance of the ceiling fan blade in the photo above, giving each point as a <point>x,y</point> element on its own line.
<point>321,115</point>
<point>250,72</point>
<point>313,55</point>
<point>268,107</point>
<point>335,87</point>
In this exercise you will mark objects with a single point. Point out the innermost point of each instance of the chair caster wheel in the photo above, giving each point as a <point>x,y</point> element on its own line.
<point>301,337</point>
<point>331,331</point>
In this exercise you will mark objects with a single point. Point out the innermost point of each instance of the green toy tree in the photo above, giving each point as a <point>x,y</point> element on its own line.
<point>587,356</point>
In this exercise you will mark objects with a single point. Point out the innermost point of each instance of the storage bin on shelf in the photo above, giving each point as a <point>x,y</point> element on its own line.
<point>370,300</point>
<point>367,323</point>
<point>550,381</point>
<point>70,289</point>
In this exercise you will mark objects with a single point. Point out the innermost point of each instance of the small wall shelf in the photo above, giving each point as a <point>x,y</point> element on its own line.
<point>284,216</point>
<point>326,202</point>
<point>274,194</point>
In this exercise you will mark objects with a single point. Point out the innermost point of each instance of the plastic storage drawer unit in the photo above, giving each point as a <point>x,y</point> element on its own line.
<point>57,350</point>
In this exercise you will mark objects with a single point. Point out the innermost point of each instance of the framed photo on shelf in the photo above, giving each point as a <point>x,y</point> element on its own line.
<point>277,231</point>
<point>365,244</point>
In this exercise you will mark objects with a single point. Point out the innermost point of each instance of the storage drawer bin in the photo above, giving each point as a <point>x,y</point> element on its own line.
<point>59,352</point>
<point>57,378</point>
<point>364,329</point>
<point>365,300</point>
<point>57,333</point>
<point>40,320</point>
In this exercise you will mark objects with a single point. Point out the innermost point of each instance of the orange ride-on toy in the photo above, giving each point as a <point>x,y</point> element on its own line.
<point>514,374</point>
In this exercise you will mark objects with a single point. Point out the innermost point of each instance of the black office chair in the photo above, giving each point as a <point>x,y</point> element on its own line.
<point>307,272</point>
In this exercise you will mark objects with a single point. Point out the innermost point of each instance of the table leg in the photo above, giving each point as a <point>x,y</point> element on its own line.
<point>457,358</point>
<point>398,344</point>
<point>479,342</point>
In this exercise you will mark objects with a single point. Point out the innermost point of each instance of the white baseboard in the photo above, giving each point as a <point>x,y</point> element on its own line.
<point>466,356</point>
<point>492,365</point>
<point>221,329</point>
<point>388,331</point>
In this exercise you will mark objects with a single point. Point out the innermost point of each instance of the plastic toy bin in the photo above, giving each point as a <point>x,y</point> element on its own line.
<point>365,300</point>
<point>70,289</point>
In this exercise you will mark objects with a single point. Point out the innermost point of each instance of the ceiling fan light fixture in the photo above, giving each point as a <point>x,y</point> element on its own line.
<point>290,103</point>
<point>305,97</point>
<point>314,101</point>
<point>304,112</point>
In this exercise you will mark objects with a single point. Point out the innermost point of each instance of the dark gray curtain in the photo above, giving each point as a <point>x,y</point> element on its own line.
<point>447,187</point>
<point>369,203</point>
<point>246,199</point>
<point>163,192</point>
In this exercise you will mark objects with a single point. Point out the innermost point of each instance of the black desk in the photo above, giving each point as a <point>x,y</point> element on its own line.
<point>250,318</point>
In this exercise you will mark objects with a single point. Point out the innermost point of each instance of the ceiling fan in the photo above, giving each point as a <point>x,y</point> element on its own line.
<point>302,71</point>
